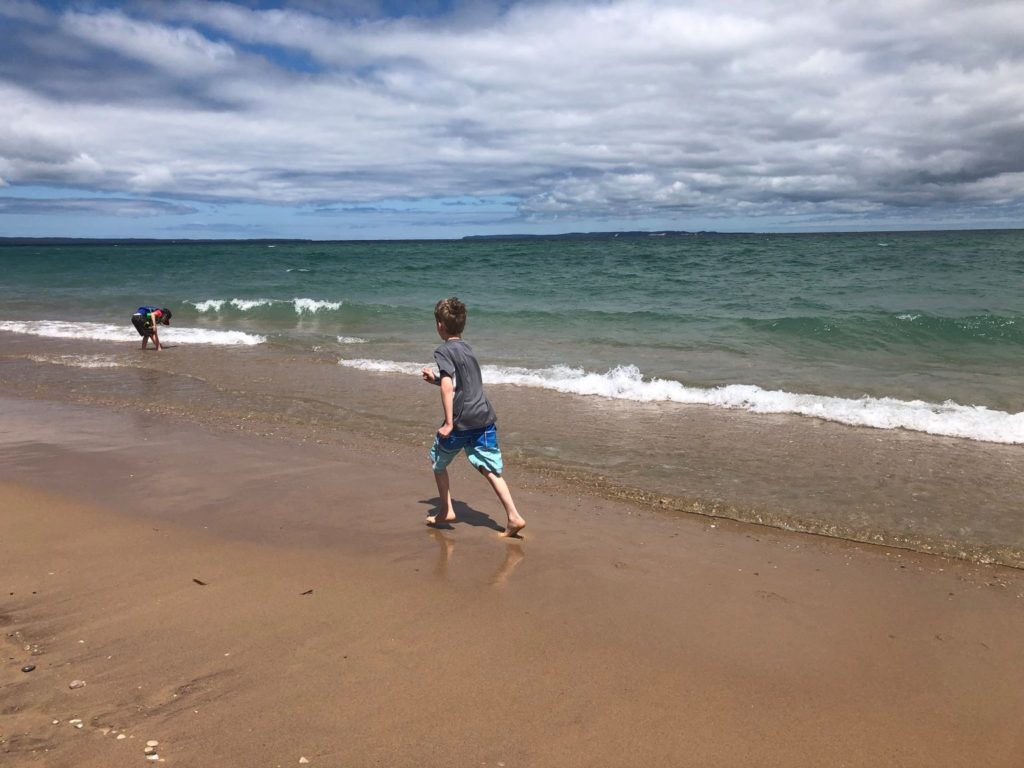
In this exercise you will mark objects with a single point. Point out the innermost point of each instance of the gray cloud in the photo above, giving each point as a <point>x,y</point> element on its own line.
<point>615,110</point>
<point>131,208</point>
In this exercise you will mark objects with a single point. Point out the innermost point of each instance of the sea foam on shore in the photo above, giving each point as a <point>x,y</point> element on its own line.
<point>61,329</point>
<point>626,382</point>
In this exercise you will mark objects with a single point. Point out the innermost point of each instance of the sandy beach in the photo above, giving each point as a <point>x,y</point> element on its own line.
<point>737,287</point>
<point>243,610</point>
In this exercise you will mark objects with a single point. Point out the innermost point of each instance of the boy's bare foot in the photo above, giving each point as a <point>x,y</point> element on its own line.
<point>434,519</point>
<point>514,526</point>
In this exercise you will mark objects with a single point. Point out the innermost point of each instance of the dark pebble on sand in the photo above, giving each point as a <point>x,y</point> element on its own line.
<point>28,667</point>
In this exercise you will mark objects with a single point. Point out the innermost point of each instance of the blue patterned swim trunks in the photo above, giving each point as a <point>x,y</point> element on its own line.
<point>480,445</point>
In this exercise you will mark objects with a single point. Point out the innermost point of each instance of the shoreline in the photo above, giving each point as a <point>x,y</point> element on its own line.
<point>944,496</point>
<point>611,634</point>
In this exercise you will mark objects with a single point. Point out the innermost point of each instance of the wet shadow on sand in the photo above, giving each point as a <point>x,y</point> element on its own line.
<point>464,514</point>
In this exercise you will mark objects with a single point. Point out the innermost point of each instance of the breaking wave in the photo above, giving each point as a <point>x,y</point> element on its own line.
<point>301,306</point>
<point>948,419</point>
<point>60,329</point>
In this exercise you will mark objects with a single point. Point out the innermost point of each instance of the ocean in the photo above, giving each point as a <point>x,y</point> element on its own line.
<point>673,367</point>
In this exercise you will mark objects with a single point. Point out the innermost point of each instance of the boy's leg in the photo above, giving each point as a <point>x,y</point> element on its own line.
<point>439,460</point>
<point>515,521</point>
<point>485,455</point>
<point>446,513</point>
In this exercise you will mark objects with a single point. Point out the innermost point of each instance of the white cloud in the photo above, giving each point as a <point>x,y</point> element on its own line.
<point>179,52</point>
<point>610,110</point>
<point>23,10</point>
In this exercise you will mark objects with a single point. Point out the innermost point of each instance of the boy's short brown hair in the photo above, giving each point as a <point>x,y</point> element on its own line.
<point>451,313</point>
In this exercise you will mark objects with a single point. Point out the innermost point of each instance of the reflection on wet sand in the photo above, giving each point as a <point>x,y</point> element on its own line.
<point>446,547</point>
<point>513,554</point>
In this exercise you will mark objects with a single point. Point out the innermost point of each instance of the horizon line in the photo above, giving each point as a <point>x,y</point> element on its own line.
<point>610,234</point>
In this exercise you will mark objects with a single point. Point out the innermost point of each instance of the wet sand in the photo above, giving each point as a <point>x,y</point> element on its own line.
<point>911,490</point>
<point>331,625</point>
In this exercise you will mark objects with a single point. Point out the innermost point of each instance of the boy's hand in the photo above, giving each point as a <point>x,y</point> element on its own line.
<point>445,429</point>
<point>428,375</point>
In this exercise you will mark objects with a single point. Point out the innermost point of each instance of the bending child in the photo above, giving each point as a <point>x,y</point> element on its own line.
<point>468,417</point>
<point>146,320</point>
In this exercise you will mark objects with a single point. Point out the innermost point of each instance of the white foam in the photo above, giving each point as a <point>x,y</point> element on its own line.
<point>312,306</point>
<point>204,336</point>
<point>246,304</point>
<point>216,305</point>
<point>626,383</point>
<point>301,305</point>
<point>382,366</point>
<point>60,329</point>
<point>350,340</point>
<point>206,306</point>
<point>79,361</point>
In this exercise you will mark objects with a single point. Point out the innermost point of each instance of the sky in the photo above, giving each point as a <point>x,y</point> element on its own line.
<point>370,119</point>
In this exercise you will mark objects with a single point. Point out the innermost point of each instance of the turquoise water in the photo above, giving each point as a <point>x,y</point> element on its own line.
<point>922,331</point>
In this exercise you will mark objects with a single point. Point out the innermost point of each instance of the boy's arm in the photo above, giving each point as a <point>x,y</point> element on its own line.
<point>153,324</point>
<point>151,319</point>
<point>448,404</point>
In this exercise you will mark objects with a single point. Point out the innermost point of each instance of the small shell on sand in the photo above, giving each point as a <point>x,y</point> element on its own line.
<point>121,736</point>
<point>76,684</point>
<point>152,743</point>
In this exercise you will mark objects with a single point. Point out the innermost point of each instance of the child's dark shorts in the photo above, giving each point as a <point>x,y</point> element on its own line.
<point>139,321</point>
<point>480,445</point>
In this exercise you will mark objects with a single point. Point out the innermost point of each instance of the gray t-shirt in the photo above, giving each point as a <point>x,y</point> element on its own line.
<point>472,409</point>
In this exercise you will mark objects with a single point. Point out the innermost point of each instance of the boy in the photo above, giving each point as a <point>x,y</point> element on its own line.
<point>146,319</point>
<point>468,417</point>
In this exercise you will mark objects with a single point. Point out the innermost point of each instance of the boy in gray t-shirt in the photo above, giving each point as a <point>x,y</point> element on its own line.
<point>468,417</point>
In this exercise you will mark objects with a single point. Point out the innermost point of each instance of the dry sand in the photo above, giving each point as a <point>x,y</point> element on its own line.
<point>331,625</point>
